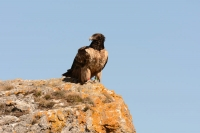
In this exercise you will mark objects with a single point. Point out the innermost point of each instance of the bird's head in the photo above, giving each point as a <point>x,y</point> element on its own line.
<point>97,37</point>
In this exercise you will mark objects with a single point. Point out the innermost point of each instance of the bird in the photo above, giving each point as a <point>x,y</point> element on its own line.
<point>89,61</point>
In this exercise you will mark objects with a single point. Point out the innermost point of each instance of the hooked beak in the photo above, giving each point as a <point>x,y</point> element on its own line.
<point>90,39</point>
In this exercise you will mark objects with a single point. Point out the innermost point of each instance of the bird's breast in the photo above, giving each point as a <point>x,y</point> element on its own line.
<point>97,59</point>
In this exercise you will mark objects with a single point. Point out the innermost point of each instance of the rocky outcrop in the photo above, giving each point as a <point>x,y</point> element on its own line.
<point>55,106</point>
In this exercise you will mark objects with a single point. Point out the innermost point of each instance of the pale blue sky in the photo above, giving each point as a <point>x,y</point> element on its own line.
<point>154,52</point>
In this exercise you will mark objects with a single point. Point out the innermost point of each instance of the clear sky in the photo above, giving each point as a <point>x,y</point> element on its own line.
<point>154,52</point>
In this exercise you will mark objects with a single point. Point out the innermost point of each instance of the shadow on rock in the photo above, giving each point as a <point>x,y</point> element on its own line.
<point>71,80</point>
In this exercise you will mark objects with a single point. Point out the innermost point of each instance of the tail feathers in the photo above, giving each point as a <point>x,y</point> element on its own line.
<point>68,73</point>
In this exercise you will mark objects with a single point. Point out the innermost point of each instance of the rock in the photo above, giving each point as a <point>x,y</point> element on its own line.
<point>7,119</point>
<point>55,106</point>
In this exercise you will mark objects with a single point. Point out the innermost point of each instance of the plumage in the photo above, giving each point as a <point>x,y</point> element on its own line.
<point>89,61</point>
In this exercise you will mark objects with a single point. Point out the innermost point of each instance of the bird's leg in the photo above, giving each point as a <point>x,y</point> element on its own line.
<point>98,77</point>
<point>85,75</point>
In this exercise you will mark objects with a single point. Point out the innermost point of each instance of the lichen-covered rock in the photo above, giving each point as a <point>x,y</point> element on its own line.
<point>55,106</point>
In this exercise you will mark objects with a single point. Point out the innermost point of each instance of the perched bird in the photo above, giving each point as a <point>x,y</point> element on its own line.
<point>89,61</point>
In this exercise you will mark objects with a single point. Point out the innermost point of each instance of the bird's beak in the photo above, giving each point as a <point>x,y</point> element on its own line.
<point>90,39</point>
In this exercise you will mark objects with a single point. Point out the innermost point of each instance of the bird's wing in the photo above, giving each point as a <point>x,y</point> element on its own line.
<point>105,63</point>
<point>80,59</point>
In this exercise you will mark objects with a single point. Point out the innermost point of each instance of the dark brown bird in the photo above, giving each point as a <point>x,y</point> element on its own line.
<point>89,61</point>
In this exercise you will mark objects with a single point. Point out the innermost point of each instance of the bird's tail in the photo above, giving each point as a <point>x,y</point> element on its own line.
<point>68,73</point>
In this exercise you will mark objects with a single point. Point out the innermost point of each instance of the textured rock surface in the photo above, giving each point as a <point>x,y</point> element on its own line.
<point>54,106</point>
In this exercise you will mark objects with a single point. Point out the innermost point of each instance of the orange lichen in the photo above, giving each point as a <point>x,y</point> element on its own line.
<point>20,92</point>
<point>81,117</point>
<point>108,115</point>
<point>57,120</point>
<point>7,93</point>
<point>9,102</point>
<point>56,89</point>
<point>67,86</point>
